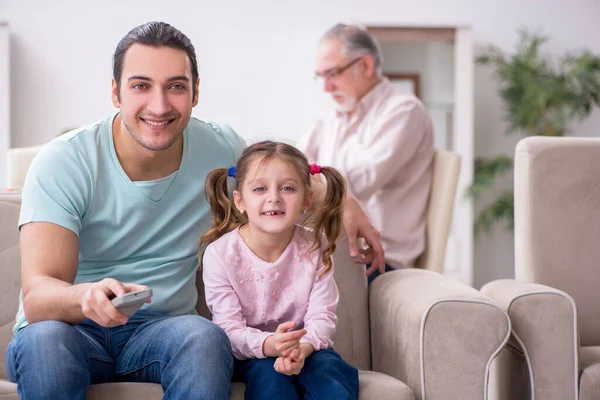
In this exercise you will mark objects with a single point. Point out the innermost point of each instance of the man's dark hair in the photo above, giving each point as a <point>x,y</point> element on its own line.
<point>155,34</point>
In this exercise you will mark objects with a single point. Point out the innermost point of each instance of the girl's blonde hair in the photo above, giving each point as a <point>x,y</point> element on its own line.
<point>325,220</point>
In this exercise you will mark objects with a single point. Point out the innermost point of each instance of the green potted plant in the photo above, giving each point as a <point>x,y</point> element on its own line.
<point>541,97</point>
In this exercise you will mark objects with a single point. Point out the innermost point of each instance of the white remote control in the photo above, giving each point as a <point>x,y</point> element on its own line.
<point>130,303</point>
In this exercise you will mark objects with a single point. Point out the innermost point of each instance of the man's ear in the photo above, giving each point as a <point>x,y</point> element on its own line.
<point>238,201</point>
<point>368,65</point>
<point>116,99</point>
<point>197,96</point>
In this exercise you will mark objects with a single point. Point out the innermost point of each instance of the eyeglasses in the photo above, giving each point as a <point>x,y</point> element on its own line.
<point>333,72</point>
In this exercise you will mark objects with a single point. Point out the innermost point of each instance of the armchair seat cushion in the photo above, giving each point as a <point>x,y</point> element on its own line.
<point>374,385</point>
<point>589,383</point>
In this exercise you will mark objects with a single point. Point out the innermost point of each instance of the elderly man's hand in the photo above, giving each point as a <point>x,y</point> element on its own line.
<point>356,225</point>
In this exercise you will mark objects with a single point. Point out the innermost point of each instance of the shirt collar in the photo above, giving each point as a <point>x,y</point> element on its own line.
<point>368,100</point>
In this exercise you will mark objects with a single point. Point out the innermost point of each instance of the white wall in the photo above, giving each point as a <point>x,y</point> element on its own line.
<point>4,101</point>
<point>256,62</point>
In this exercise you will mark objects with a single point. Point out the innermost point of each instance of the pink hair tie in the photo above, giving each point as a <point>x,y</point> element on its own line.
<point>315,169</point>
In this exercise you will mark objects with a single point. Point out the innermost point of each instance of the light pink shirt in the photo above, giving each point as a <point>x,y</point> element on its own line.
<point>384,150</point>
<point>250,297</point>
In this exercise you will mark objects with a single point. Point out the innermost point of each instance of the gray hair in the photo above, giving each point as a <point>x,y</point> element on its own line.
<point>355,42</point>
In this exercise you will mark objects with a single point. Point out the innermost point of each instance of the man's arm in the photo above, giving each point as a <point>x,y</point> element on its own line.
<point>55,197</point>
<point>49,261</point>
<point>48,269</point>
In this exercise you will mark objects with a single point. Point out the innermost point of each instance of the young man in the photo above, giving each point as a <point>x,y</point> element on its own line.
<point>379,137</point>
<point>116,207</point>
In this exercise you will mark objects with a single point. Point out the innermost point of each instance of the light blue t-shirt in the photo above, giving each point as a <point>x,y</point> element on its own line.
<point>139,232</point>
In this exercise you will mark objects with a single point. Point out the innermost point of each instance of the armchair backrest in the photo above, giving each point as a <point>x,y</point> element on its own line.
<point>352,338</point>
<point>557,220</point>
<point>446,169</point>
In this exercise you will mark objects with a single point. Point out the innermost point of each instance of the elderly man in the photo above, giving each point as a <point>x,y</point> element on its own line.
<point>380,137</point>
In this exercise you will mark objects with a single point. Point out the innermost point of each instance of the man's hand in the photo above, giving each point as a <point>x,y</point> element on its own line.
<point>293,364</point>
<point>283,342</point>
<point>96,304</point>
<point>356,225</point>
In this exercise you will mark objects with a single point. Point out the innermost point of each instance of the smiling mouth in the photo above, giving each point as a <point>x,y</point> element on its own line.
<point>158,123</point>
<point>273,213</point>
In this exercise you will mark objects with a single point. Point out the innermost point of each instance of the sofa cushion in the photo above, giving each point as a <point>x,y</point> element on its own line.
<point>117,391</point>
<point>373,385</point>
<point>8,391</point>
<point>125,391</point>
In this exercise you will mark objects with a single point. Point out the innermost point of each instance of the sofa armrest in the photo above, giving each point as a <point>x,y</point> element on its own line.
<point>544,325</point>
<point>437,335</point>
<point>10,271</point>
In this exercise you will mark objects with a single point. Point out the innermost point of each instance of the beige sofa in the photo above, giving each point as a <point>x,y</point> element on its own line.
<point>414,334</point>
<point>554,302</point>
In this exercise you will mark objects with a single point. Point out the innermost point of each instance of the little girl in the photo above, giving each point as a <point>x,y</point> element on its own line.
<point>269,282</point>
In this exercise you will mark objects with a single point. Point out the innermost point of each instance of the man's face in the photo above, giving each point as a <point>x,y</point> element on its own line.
<point>155,95</point>
<point>339,74</point>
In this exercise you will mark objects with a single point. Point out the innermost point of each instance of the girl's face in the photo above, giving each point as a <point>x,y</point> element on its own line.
<point>273,195</point>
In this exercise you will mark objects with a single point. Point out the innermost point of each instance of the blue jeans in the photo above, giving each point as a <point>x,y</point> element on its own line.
<point>324,376</point>
<point>188,355</point>
<point>375,274</point>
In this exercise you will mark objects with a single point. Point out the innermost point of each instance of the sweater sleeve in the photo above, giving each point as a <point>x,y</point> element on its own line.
<point>223,303</point>
<point>320,319</point>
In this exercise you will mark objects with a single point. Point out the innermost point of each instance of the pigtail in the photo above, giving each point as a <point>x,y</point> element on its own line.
<point>326,220</point>
<point>225,217</point>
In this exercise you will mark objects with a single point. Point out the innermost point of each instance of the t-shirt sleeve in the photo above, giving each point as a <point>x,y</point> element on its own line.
<point>57,187</point>
<point>236,141</point>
